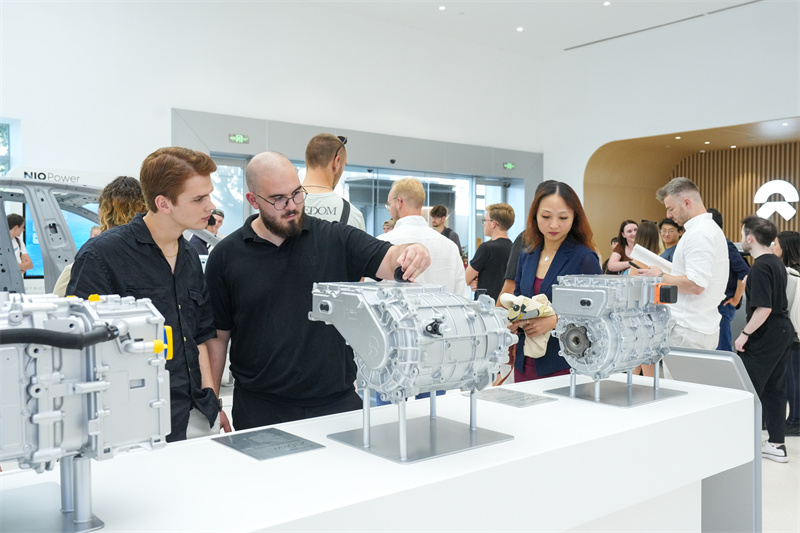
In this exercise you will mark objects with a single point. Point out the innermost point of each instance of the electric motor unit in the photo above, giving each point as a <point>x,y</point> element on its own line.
<point>611,324</point>
<point>411,338</point>
<point>80,377</point>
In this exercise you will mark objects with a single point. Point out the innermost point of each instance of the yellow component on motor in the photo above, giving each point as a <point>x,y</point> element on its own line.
<point>168,341</point>
<point>94,298</point>
<point>159,346</point>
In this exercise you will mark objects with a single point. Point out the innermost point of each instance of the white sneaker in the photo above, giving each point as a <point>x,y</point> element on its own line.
<point>774,453</point>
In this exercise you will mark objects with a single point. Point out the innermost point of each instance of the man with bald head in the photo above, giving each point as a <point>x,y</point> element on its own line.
<point>285,366</point>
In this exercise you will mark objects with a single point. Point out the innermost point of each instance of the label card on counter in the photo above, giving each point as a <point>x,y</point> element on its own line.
<point>512,398</point>
<point>267,443</point>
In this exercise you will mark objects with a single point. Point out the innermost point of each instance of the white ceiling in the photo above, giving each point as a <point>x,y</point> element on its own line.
<point>739,136</point>
<point>554,27</point>
<point>549,27</point>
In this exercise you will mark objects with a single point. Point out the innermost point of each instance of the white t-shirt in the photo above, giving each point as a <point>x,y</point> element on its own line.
<point>702,255</point>
<point>19,248</point>
<point>446,266</point>
<point>328,206</point>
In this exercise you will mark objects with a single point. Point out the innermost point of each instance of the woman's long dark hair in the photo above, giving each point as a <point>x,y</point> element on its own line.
<point>647,236</point>
<point>580,230</point>
<point>790,245</point>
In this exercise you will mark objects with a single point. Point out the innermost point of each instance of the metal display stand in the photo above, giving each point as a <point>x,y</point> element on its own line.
<point>75,515</point>
<point>430,437</point>
<point>616,393</point>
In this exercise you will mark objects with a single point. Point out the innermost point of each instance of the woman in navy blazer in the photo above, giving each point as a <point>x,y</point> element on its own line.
<point>560,244</point>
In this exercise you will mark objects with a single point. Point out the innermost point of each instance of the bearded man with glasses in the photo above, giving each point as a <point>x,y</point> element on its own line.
<point>285,366</point>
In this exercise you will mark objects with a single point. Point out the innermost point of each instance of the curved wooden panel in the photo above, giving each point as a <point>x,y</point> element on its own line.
<point>622,177</point>
<point>728,180</point>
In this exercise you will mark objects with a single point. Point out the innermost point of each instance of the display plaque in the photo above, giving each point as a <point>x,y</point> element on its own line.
<point>512,398</point>
<point>267,443</point>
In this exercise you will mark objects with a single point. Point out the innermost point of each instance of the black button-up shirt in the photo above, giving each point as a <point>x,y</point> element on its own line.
<point>126,260</point>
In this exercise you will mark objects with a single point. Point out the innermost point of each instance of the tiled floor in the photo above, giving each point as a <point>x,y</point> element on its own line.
<point>780,494</point>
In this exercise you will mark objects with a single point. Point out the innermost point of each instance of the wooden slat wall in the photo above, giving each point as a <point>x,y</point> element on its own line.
<point>728,180</point>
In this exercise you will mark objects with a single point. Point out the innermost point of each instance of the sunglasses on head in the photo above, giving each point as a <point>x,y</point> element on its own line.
<point>344,141</point>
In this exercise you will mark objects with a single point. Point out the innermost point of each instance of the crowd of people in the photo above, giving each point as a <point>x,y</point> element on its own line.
<point>252,301</point>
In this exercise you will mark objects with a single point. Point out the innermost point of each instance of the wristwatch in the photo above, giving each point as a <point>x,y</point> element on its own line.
<point>219,402</point>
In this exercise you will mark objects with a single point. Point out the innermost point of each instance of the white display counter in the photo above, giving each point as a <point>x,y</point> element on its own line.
<point>572,465</point>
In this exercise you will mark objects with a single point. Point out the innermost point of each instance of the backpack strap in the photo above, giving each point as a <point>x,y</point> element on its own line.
<point>345,211</point>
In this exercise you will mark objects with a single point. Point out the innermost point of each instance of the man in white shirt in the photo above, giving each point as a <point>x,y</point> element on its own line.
<point>406,199</point>
<point>699,267</point>
<point>16,225</point>
<point>326,157</point>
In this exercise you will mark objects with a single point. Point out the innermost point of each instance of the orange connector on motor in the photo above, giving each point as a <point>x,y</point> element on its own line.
<point>666,294</point>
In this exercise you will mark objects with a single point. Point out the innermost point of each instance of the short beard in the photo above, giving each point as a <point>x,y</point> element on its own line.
<point>292,230</point>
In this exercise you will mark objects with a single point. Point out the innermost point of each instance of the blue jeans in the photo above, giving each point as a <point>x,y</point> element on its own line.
<point>793,384</point>
<point>726,313</point>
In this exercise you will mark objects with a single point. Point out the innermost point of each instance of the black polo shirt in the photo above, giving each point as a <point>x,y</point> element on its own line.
<point>126,260</point>
<point>261,293</point>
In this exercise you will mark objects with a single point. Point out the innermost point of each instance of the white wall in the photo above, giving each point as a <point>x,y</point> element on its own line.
<point>734,67</point>
<point>93,83</point>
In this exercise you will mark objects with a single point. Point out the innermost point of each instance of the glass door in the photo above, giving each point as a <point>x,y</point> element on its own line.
<point>229,189</point>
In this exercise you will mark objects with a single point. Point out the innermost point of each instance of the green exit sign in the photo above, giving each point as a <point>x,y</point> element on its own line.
<point>509,166</point>
<point>238,138</point>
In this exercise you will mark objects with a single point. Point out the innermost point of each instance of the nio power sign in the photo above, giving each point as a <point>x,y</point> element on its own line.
<point>49,176</point>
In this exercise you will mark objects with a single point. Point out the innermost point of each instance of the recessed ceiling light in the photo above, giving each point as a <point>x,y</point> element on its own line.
<point>785,124</point>
<point>520,28</point>
<point>678,137</point>
<point>733,146</point>
<point>708,142</point>
<point>606,3</point>
<point>702,151</point>
<point>442,8</point>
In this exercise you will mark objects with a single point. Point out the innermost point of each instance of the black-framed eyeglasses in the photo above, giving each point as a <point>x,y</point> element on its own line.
<point>344,141</point>
<point>282,202</point>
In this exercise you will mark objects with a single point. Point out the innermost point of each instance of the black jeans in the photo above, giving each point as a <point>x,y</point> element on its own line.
<point>764,357</point>
<point>793,384</point>
<point>251,409</point>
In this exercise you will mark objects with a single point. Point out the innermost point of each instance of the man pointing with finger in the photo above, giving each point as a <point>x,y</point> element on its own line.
<point>285,366</point>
